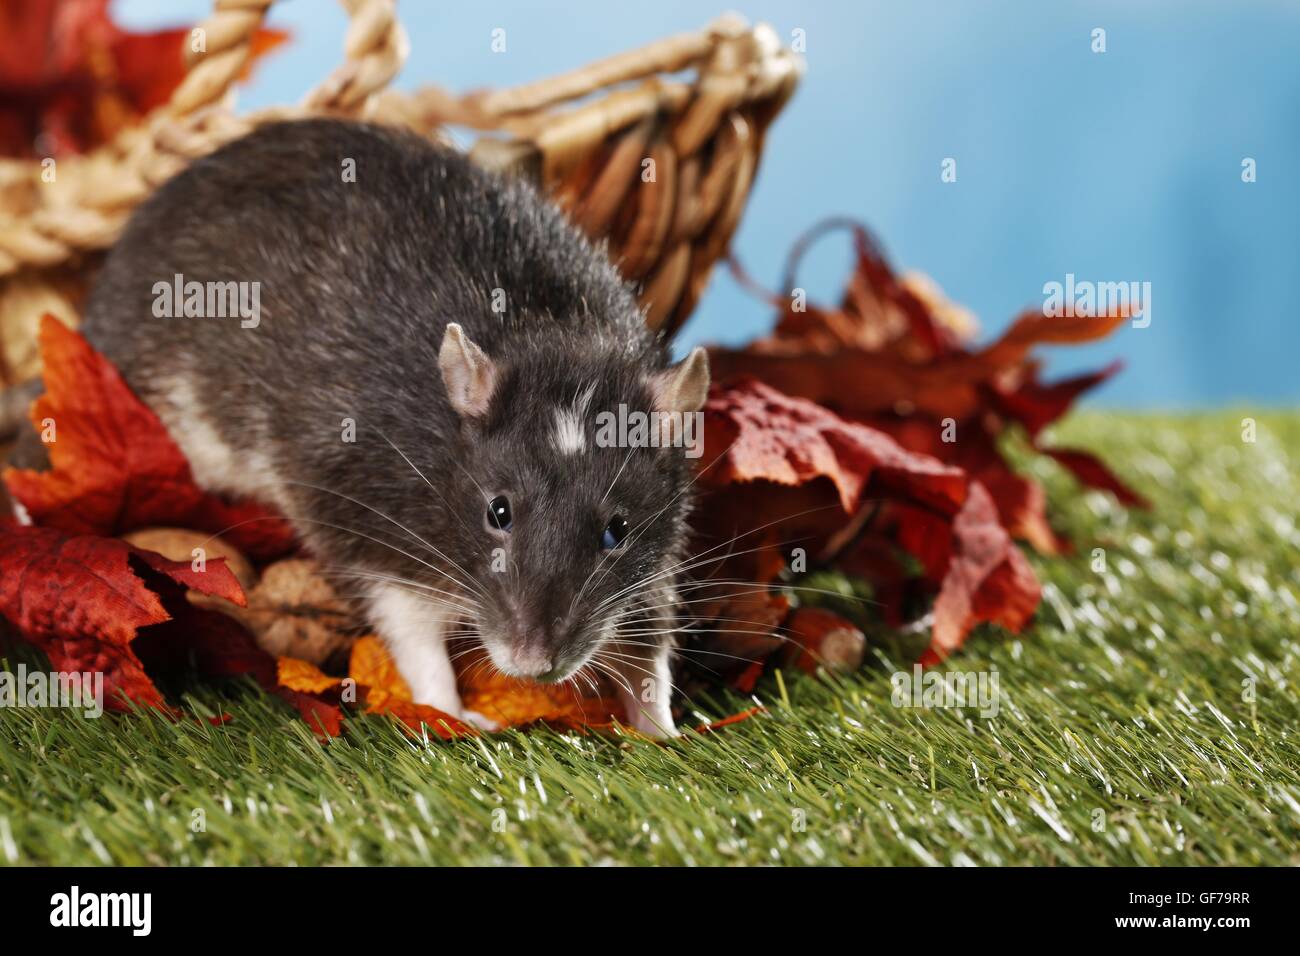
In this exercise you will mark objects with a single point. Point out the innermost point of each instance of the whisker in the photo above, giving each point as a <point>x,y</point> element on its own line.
<point>697,650</point>
<point>645,525</point>
<point>423,478</point>
<point>610,672</point>
<point>329,491</point>
<point>694,561</point>
<point>364,574</point>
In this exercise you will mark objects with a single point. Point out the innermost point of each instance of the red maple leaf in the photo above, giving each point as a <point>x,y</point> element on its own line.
<point>99,605</point>
<point>114,468</point>
<point>764,434</point>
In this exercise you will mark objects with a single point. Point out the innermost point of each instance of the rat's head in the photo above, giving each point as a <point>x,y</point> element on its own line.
<point>573,490</point>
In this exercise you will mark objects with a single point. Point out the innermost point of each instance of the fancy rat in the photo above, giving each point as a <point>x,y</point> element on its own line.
<point>405,354</point>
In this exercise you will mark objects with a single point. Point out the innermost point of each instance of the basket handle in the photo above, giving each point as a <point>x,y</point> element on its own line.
<point>668,55</point>
<point>374,48</point>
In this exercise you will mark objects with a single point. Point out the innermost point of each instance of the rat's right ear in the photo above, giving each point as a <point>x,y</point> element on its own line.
<point>682,387</point>
<point>467,372</point>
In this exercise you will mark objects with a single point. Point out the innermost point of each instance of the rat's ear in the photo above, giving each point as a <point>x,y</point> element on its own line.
<point>682,387</point>
<point>467,372</point>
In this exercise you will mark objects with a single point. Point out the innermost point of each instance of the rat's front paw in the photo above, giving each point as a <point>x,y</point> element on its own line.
<point>454,708</point>
<point>478,720</point>
<point>655,724</point>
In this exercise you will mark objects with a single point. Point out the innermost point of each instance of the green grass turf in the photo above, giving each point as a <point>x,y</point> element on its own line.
<point>1124,736</point>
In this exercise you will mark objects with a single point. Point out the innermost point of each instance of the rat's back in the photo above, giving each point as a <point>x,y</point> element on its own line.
<point>347,236</point>
<point>308,271</point>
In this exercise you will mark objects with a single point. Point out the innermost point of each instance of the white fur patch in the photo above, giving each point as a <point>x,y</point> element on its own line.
<point>214,464</point>
<point>413,629</point>
<point>569,437</point>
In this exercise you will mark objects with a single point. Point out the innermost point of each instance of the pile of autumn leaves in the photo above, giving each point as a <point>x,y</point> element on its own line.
<point>873,431</point>
<point>824,448</point>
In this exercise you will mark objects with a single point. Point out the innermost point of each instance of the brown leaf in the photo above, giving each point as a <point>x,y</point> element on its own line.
<point>987,579</point>
<point>757,433</point>
<point>821,638</point>
<point>294,611</point>
<point>779,457</point>
<point>895,356</point>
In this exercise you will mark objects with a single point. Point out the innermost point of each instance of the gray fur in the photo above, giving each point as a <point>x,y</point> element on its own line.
<point>14,405</point>
<point>358,283</point>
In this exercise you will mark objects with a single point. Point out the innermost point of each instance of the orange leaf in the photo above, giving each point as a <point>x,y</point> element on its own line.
<point>373,667</point>
<point>512,702</point>
<point>729,721</point>
<point>415,716</point>
<point>382,687</point>
<point>304,676</point>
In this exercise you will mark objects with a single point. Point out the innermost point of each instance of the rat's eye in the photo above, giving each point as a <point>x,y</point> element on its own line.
<point>615,532</point>
<point>498,515</point>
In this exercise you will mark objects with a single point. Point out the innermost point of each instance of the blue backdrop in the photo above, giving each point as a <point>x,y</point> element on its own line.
<point>1115,166</point>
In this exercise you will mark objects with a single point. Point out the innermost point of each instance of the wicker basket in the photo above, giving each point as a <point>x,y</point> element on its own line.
<point>583,136</point>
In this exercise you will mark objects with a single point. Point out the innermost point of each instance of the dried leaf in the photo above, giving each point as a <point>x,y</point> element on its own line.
<point>773,437</point>
<point>514,703</point>
<point>821,638</point>
<point>987,579</point>
<point>382,687</point>
<point>739,718</point>
<point>294,611</point>
<point>788,458</point>
<point>895,357</point>
<point>304,676</point>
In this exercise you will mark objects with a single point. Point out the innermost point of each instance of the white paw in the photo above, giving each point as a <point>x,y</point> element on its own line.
<point>658,726</point>
<point>476,719</point>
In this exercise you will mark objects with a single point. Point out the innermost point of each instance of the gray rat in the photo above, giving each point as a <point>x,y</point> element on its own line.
<point>409,366</point>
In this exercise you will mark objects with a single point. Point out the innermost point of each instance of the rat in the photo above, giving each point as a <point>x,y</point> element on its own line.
<point>406,355</point>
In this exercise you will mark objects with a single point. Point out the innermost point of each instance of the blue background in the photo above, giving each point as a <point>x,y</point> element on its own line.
<point>1117,166</point>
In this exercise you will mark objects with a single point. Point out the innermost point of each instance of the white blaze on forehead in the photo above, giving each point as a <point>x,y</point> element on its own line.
<point>569,437</point>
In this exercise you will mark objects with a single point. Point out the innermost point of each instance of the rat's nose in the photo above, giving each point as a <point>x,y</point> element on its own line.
<point>530,660</point>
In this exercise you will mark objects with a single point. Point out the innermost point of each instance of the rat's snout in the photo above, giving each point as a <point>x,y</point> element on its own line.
<point>533,638</point>
<point>527,649</point>
<point>530,658</point>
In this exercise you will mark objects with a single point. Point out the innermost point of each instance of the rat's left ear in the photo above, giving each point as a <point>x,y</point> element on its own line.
<point>467,372</point>
<point>682,387</point>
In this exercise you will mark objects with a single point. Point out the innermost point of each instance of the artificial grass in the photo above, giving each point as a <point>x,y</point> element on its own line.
<point>1126,734</point>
